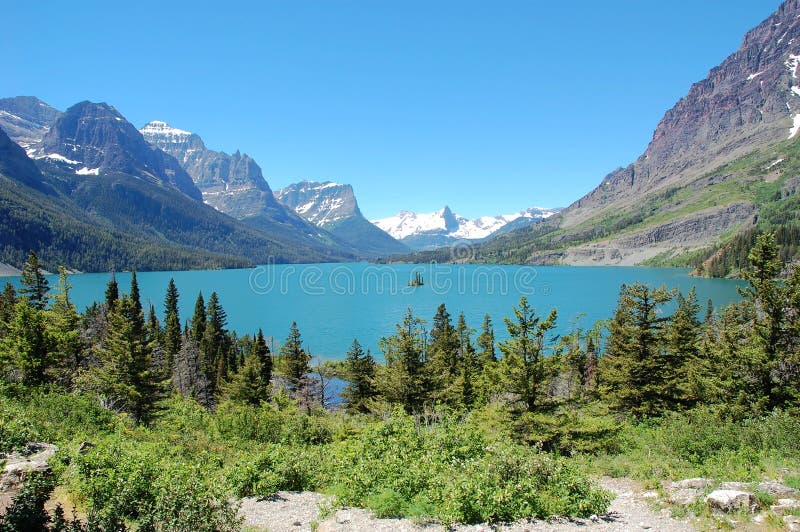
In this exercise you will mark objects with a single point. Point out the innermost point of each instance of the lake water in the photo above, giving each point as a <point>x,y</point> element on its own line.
<point>334,303</point>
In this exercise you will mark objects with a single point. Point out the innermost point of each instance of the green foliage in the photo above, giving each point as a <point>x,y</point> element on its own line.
<point>403,380</point>
<point>523,367</point>
<point>453,473</point>
<point>359,372</point>
<point>27,511</point>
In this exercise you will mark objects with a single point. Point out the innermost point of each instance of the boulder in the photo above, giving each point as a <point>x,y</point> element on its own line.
<point>730,500</point>
<point>792,522</point>
<point>691,483</point>
<point>684,496</point>
<point>776,489</point>
<point>785,505</point>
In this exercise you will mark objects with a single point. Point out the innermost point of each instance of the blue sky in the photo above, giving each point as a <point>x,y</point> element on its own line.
<point>489,107</point>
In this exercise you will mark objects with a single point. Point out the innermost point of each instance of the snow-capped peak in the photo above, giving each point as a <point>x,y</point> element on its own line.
<point>444,223</point>
<point>162,130</point>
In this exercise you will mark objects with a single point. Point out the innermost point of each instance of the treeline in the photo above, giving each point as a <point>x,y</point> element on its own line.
<point>563,392</point>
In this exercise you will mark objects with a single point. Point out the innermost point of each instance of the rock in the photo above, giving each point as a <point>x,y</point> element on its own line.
<point>685,496</point>
<point>650,495</point>
<point>738,486</point>
<point>776,489</point>
<point>792,522</point>
<point>693,483</point>
<point>785,505</point>
<point>84,447</point>
<point>730,500</point>
<point>19,466</point>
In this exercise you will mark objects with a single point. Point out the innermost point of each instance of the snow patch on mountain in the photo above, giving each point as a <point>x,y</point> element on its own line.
<point>319,203</point>
<point>165,132</point>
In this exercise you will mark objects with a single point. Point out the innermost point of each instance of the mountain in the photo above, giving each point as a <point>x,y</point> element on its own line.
<point>97,195</point>
<point>26,119</point>
<point>443,227</point>
<point>95,139</point>
<point>722,162</point>
<point>235,185</point>
<point>34,214</point>
<point>333,207</point>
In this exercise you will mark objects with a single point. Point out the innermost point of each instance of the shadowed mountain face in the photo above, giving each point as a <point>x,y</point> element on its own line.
<point>333,207</point>
<point>98,140</point>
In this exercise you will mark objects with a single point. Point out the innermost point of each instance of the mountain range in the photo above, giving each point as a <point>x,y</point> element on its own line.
<point>443,227</point>
<point>722,165</point>
<point>89,190</point>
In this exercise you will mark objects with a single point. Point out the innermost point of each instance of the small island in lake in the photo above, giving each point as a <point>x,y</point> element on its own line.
<point>417,280</point>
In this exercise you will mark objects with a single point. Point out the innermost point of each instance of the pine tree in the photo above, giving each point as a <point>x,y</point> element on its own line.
<point>134,294</point>
<point>485,342</point>
<point>124,380</point>
<point>261,351</point>
<point>359,372</point>
<point>523,354</point>
<point>402,379</point>
<point>294,361</point>
<point>465,384</point>
<point>443,353</point>
<point>247,385</point>
<point>634,371</point>
<point>25,350</point>
<point>172,325</point>
<point>214,346</point>
<point>199,318</point>
<point>112,291</point>
<point>64,331</point>
<point>683,371</point>
<point>7,301</point>
<point>34,284</point>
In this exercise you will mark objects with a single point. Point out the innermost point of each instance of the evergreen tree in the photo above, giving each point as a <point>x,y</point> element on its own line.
<point>34,284</point>
<point>523,366</point>
<point>634,370</point>
<point>485,342</point>
<point>261,351</point>
<point>248,385</point>
<point>215,347</point>
<point>359,372</point>
<point>64,331</point>
<point>172,324</point>
<point>112,291</point>
<point>684,369</point>
<point>199,318</point>
<point>8,299</point>
<point>124,380</point>
<point>294,361</point>
<point>134,294</point>
<point>465,385</point>
<point>443,353</point>
<point>402,379</point>
<point>26,347</point>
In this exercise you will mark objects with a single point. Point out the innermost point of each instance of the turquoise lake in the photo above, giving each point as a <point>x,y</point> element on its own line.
<point>334,303</point>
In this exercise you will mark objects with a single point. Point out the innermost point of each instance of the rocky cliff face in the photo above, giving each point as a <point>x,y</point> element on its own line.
<point>320,203</point>
<point>232,184</point>
<point>95,139</point>
<point>333,207</point>
<point>26,119</point>
<point>750,100</point>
